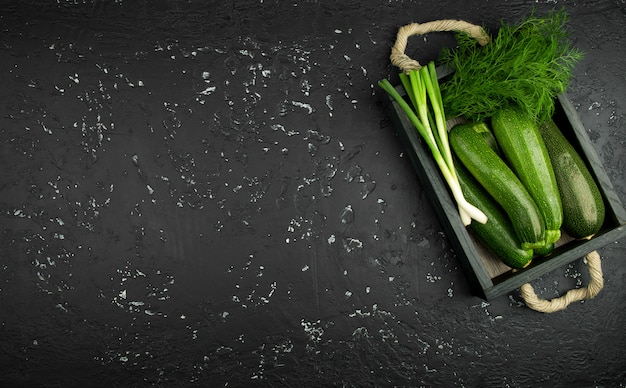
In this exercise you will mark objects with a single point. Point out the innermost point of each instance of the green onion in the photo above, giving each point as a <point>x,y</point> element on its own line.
<point>422,87</point>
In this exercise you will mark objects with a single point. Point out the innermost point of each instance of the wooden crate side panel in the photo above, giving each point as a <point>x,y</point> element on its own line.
<point>439,196</point>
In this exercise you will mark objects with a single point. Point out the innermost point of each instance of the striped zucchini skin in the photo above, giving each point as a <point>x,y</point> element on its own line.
<point>583,207</point>
<point>483,129</point>
<point>501,183</point>
<point>497,233</point>
<point>525,151</point>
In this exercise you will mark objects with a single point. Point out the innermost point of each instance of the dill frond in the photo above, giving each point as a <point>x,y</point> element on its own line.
<point>527,64</point>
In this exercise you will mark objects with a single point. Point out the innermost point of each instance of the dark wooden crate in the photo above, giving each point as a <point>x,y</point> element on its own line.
<point>487,275</point>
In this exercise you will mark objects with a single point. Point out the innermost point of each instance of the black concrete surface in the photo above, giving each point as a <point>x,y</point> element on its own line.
<point>209,193</point>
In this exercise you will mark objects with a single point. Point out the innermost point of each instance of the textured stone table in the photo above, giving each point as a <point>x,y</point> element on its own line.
<point>209,193</point>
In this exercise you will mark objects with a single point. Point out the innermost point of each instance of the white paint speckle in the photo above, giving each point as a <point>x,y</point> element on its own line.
<point>303,105</point>
<point>208,91</point>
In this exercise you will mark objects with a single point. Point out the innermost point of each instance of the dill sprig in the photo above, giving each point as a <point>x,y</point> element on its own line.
<point>528,64</point>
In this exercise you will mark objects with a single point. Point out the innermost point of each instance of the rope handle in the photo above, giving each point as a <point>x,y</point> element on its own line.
<point>405,63</point>
<point>596,282</point>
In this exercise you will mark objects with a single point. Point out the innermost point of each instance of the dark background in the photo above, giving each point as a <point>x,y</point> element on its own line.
<point>209,193</point>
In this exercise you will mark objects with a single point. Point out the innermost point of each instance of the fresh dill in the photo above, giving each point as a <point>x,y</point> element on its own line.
<point>528,64</point>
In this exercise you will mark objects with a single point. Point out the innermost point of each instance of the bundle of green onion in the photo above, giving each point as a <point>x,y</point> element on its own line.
<point>422,88</point>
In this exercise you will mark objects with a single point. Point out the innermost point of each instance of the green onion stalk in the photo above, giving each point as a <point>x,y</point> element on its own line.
<point>422,87</point>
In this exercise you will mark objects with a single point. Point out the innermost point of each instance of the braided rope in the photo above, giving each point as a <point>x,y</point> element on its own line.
<point>405,63</point>
<point>596,282</point>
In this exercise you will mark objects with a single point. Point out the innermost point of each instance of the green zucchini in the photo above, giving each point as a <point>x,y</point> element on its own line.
<point>583,207</point>
<point>501,183</point>
<point>497,233</point>
<point>544,251</point>
<point>483,129</point>
<point>523,147</point>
